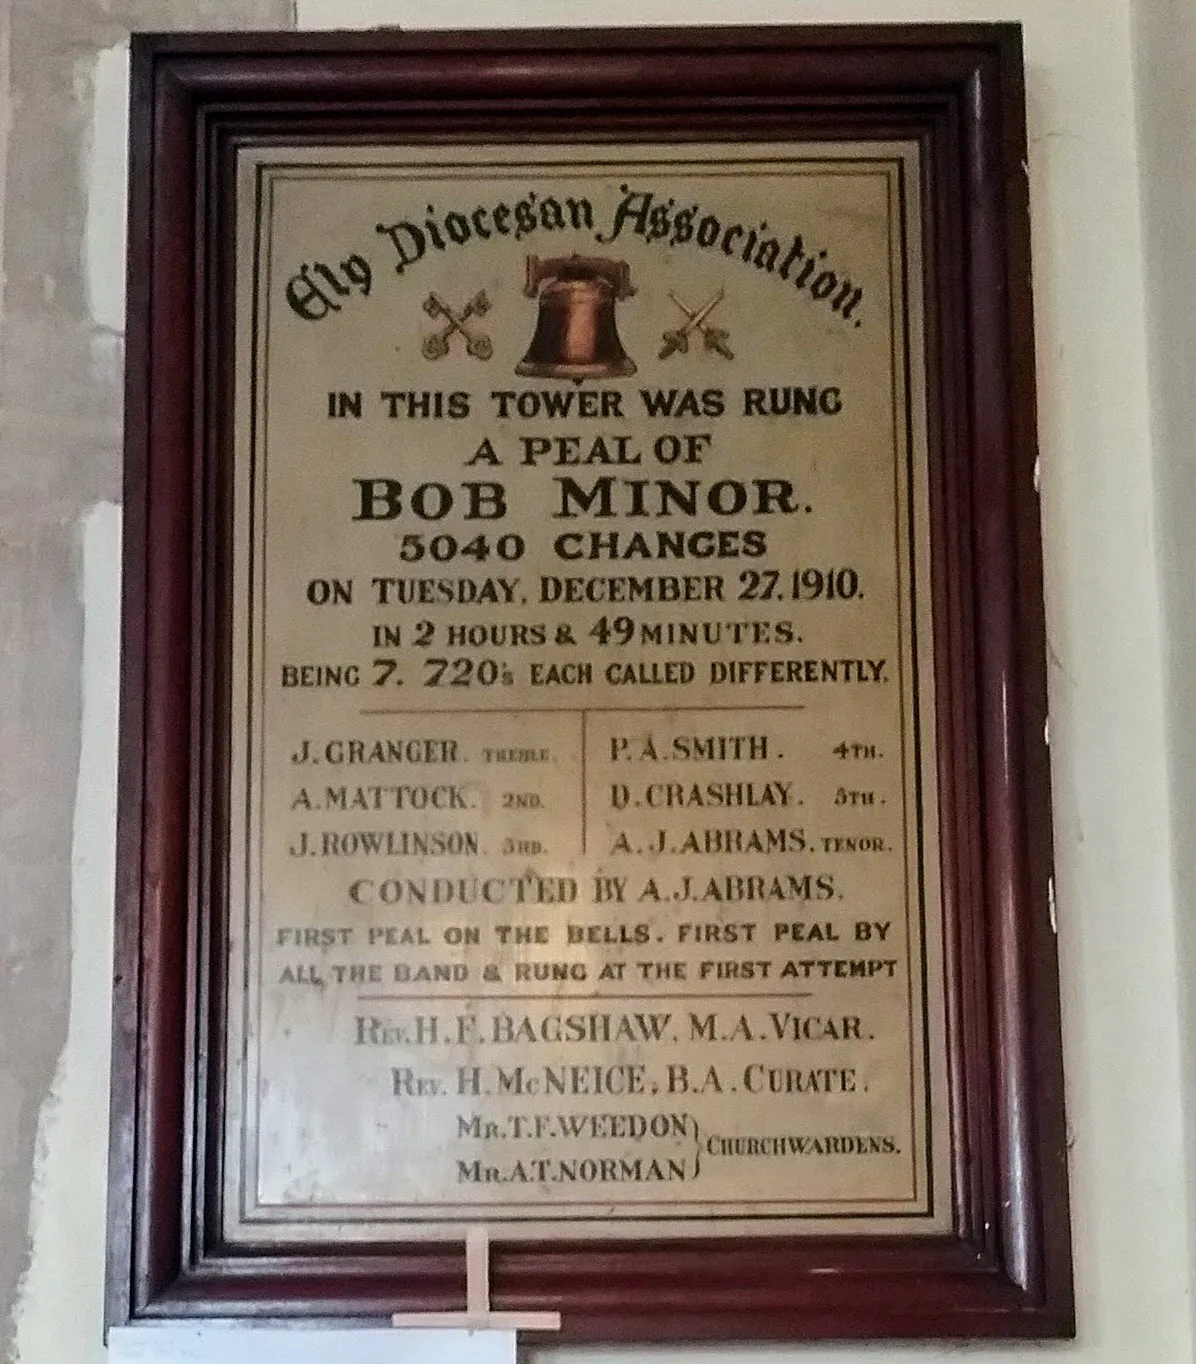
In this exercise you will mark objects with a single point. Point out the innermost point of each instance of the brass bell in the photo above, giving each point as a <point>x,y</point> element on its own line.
<point>575,335</point>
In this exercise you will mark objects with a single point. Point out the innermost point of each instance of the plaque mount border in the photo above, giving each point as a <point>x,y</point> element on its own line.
<point>957,90</point>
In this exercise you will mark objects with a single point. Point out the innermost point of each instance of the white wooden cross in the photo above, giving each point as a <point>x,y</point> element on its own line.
<point>477,1315</point>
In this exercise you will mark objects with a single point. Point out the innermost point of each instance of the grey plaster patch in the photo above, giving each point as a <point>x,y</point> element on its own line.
<point>60,405</point>
<point>40,636</point>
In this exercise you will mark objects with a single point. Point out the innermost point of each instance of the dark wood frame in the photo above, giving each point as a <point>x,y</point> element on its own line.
<point>1005,1270</point>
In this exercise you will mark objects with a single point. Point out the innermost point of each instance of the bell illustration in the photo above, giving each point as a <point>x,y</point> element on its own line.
<point>575,335</point>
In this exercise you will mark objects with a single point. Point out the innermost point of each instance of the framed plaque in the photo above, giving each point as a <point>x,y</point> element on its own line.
<point>584,769</point>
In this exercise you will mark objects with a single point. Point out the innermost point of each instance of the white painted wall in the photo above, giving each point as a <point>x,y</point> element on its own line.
<point>1165,56</point>
<point>63,1291</point>
<point>1119,880</point>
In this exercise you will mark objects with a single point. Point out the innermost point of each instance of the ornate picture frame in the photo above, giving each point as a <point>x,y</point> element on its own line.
<point>697,200</point>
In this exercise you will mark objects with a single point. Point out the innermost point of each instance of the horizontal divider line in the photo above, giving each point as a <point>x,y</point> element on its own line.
<point>577,710</point>
<point>562,999</point>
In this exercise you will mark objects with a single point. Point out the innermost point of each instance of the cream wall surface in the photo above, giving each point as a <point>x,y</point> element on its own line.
<point>1165,65</point>
<point>1112,395</point>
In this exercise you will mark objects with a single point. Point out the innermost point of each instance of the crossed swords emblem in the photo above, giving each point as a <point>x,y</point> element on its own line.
<point>714,338</point>
<point>436,345</point>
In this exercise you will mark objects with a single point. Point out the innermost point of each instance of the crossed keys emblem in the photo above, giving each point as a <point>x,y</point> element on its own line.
<point>714,338</point>
<point>436,345</point>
